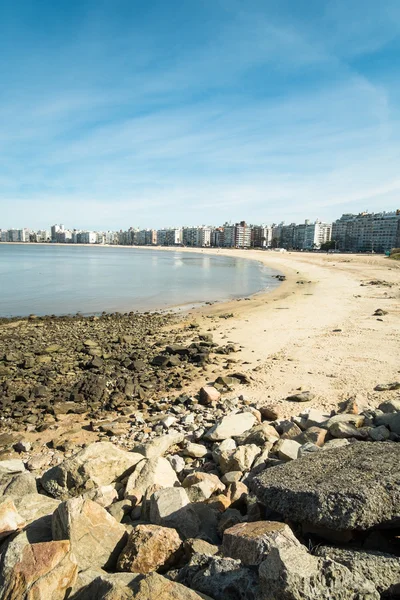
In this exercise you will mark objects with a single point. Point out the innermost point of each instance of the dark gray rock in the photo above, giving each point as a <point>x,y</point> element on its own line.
<point>354,487</point>
<point>292,573</point>
<point>390,420</point>
<point>220,578</point>
<point>383,570</point>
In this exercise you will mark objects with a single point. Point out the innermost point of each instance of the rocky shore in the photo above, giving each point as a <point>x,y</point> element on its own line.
<point>120,480</point>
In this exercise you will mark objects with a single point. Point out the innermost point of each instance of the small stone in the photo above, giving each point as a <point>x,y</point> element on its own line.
<point>150,472</point>
<point>272,412</point>
<point>383,387</point>
<point>197,477</point>
<point>300,397</point>
<point>347,430</point>
<point>314,435</point>
<point>195,450</point>
<point>209,395</point>
<point>176,462</point>
<point>160,445</point>
<point>231,425</point>
<point>13,465</point>
<point>316,418</point>
<point>231,477</point>
<point>287,449</point>
<point>243,458</point>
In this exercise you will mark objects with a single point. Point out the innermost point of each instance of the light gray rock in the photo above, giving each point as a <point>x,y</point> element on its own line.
<point>356,420</point>
<point>195,450</point>
<point>383,570</point>
<point>18,484</point>
<point>99,464</point>
<point>251,542</point>
<point>170,507</point>
<point>360,480</point>
<point>348,430</point>
<point>14,465</point>
<point>160,445</point>
<point>176,462</point>
<point>291,573</point>
<point>316,418</point>
<point>149,472</point>
<point>287,449</point>
<point>258,435</point>
<point>307,449</point>
<point>231,425</point>
<point>33,507</point>
<point>243,458</point>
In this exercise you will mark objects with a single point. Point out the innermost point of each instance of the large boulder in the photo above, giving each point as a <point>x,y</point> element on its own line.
<point>292,573</point>
<point>33,507</point>
<point>97,539</point>
<point>383,570</point>
<point>251,542</point>
<point>354,487</point>
<point>99,464</point>
<point>42,570</point>
<point>149,548</point>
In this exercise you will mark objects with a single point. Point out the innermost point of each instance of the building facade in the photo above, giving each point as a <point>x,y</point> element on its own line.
<point>367,232</point>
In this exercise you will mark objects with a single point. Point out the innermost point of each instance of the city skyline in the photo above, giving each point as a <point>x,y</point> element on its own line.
<point>363,232</point>
<point>124,112</point>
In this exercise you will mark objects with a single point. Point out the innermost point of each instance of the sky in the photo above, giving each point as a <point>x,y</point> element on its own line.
<point>119,113</point>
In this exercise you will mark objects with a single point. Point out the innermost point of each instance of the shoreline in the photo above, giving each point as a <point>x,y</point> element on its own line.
<point>315,331</point>
<point>178,309</point>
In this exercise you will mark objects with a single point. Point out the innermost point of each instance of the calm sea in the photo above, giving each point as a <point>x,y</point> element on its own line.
<point>60,280</point>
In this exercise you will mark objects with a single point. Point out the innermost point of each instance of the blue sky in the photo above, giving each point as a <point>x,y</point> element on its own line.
<point>120,113</point>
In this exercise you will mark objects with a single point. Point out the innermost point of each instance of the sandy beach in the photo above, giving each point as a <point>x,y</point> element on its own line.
<point>317,331</point>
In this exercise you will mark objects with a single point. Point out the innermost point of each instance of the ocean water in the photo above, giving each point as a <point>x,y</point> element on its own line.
<point>59,280</point>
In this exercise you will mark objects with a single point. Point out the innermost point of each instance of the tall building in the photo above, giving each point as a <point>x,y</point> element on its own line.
<point>169,237</point>
<point>367,232</point>
<point>229,236</point>
<point>55,230</point>
<point>261,236</point>
<point>242,235</point>
<point>196,236</point>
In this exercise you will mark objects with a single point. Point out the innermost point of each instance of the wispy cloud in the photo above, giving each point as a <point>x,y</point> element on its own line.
<point>252,113</point>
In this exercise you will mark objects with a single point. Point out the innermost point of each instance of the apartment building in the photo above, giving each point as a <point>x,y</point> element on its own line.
<point>367,232</point>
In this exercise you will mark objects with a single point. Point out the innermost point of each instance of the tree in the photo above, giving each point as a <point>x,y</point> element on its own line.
<point>329,245</point>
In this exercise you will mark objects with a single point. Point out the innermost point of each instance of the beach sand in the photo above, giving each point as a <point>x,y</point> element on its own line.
<point>320,335</point>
